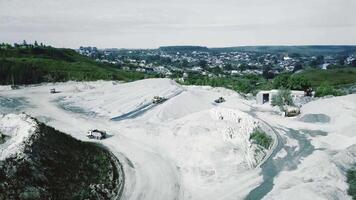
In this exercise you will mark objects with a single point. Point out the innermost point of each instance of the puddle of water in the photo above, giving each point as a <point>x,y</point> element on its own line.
<point>13,105</point>
<point>314,133</point>
<point>65,105</point>
<point>315,118</point>
<point>272,167</point>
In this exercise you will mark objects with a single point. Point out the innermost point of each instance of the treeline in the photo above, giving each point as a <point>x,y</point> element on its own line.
<point>323,82</point>
<point>244,84</point>
<point>301,50</point>
<point>250,83</point>
<point>39,51</point>
<point>30,64</point>
<point>182,48</point>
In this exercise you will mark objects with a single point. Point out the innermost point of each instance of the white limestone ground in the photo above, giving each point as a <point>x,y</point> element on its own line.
<point>320,175</point>
<point>191,148</point>
<point>180,149</point>
<point>17,128</point>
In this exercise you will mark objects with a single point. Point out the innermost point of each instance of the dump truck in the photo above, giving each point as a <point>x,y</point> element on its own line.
<point>291,111</point>
<point>220,100</point>
<point>158,99</point>
<point>96,134</point>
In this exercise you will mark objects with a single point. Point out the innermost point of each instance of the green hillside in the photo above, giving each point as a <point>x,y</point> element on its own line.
<point>29,64</point>
<point>302,50</point>
<point>335,77</point>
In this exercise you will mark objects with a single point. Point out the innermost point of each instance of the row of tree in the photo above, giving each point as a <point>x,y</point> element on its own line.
<point>40,63</point>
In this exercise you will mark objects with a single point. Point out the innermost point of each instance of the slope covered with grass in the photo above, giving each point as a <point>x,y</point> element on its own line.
<point>334,77</point>
<point>35,64</point>
<point>53,165</point>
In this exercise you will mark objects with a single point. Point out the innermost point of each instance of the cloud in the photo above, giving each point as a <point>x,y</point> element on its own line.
<point>142,23</point>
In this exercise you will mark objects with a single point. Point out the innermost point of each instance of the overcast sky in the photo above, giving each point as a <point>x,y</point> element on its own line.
<point>153,23</point>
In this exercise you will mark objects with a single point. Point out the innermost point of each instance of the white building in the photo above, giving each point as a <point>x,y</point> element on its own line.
<point>263,97</point>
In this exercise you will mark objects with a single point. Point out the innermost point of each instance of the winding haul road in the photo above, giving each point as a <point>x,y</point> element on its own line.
<point>176,150</point>
<point>148,174</point>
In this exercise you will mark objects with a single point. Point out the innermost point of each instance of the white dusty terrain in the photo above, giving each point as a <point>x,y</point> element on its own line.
<point>191,148</point>
<point>320,175</point>
<point>17,128</point>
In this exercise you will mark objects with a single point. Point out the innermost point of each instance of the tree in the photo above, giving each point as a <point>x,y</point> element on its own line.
<point>184,63</point>
<point>203,64</point>
<point>353,63</point>
<point>282,98</point>
<point>326,89</point>
<point>281,81</point>
<point>228,66</point>
<point>267,73</point>
<point>298,83</point>
<point>298,66</point>
<point>243,67</point>
<point>286,81</point>
<point>318,61</point>
<point>341,60</point>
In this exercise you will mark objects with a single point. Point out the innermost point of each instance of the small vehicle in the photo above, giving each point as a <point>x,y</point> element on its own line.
<point>53,91</point>
<point>220,100</point>
<point>291,111</point>
<point>158,99</point>
<point>96,134</point>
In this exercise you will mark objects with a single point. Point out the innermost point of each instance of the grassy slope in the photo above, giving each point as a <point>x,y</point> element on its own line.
<point>57,166</point>
<point>47,64</point>
<point>335,77</point>
<point>351,180</point>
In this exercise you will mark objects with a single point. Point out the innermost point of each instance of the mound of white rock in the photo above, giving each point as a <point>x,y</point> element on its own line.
<point>237,130</point>
<point>16,128</point>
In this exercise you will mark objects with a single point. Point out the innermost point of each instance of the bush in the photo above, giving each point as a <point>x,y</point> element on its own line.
<point>281,81</point>
<point>291,82</point>
<point>282,98</point>
<point>261,138</point>
<point>298,83</point>
<point>325,89</point>
<point>351,180</point>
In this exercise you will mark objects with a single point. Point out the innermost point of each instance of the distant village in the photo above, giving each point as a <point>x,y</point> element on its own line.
<point>182,61</point>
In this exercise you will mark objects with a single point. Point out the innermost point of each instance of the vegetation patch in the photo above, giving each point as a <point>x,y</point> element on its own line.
<point>57,166</point>
<point>333,77</point>
<point>351,180</point>
<point>35,64</point>
<point>287,81</point>
<point>326,89</point>
<point>324,82</point>
<point>261,138</point>
<point>282,98</point>
<point>244,84</point>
